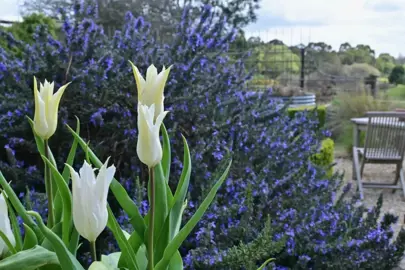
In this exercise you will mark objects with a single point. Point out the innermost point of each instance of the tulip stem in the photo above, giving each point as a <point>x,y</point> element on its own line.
<point>48,187</point>
<point>93,250</point>
<point>151,219</point>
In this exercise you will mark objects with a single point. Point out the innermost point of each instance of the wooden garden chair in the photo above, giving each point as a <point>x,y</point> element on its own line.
<point>384,144</point>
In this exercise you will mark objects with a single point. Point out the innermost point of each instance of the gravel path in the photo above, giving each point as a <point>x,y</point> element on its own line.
<point>383,173</point>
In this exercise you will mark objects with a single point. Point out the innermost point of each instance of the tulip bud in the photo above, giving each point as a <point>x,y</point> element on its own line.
<point>5,226</point>
<point>148,147</point>
<point>46,108</point>
<point>150,91</point>
<point>89,195</point>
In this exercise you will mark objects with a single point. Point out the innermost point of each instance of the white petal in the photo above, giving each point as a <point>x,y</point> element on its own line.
<point>40,123</point>
<point>87,174</point>
<point>159,120</point>
<point>104,179</point>
<point>5,225</point>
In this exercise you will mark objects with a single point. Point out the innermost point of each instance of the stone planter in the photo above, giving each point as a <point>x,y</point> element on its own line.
<point>298,101</point>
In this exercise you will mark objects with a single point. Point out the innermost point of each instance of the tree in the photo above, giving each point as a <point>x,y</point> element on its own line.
<point>400,60</point>
<point>273,60</point>
<point>239,13</point>
<point>160,13</point>
<point>320,56</point>
<point>385,63</point>
<point>359,54</point>
<point>397,75</point>
<point>344,47</point>
<point>240,44</point>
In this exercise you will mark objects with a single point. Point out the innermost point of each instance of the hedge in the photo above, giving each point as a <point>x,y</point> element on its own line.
<point>320,110</point>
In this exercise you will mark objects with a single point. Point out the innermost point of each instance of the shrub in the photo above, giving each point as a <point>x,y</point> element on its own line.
<point>275,203</point>
<point>360,70</point>
<point>100,75</point>
<point>347,106</point>
<point>24,31</point>
<point>325,157</point>
<point>397,75</point>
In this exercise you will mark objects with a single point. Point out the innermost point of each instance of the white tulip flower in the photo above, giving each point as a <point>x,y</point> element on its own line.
<point>150,90</point>
<point>148,148</point>
<point>46,108</point>
<point>89,194</point>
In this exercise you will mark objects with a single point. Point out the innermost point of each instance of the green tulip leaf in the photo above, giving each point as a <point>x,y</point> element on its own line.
<point>40,143</point>
<point>5,239</point>
<point>128,254</point>
<point>265,263</point>
<point>15,227</point>
<point>166,158</point>
<point>135,242</point>
<point>124,200</point>
<point>30,239</point>
<point>161,203</point>
<point>56,229</point>
<point>64,191</point>
<point>176,263</point>
<point>173,221</point>
<point>181,192</point>
<point>142,258</point>
<point>66,259</point>
<point>72,154</point>
<point>30,259</point>
<point>58,206</point>
<point>58,202</point>
<point>18,206</point>
<point>74,241</point>
<point>175,244</point>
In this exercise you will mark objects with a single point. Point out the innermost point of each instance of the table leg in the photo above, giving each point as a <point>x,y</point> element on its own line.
<point>356,142</point>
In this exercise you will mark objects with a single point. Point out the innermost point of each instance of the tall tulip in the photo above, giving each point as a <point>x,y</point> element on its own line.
<point>5,226</point>
<point>148,148</point>
<point>46,108</point>
<point>150,91</point>
<point>89,194</point>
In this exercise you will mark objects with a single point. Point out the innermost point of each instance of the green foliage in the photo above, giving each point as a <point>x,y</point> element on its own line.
<point>360,70</point>
<point>397,75</point>
<point>346,106</point>
<point>25,30</point>
<point>385,63</point>
<point>274,59</point>
<point>397,92</point>
<point>325,157</point>
<point>359,54</point>
<point>254,252</point>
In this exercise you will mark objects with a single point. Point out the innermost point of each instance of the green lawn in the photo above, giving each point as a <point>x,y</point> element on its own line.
<point>397,92</point>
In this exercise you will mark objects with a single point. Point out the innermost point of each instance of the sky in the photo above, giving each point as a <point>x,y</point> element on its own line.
<point>378,23</point>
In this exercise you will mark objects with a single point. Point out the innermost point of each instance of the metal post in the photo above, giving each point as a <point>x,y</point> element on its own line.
<point>302,76</point>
